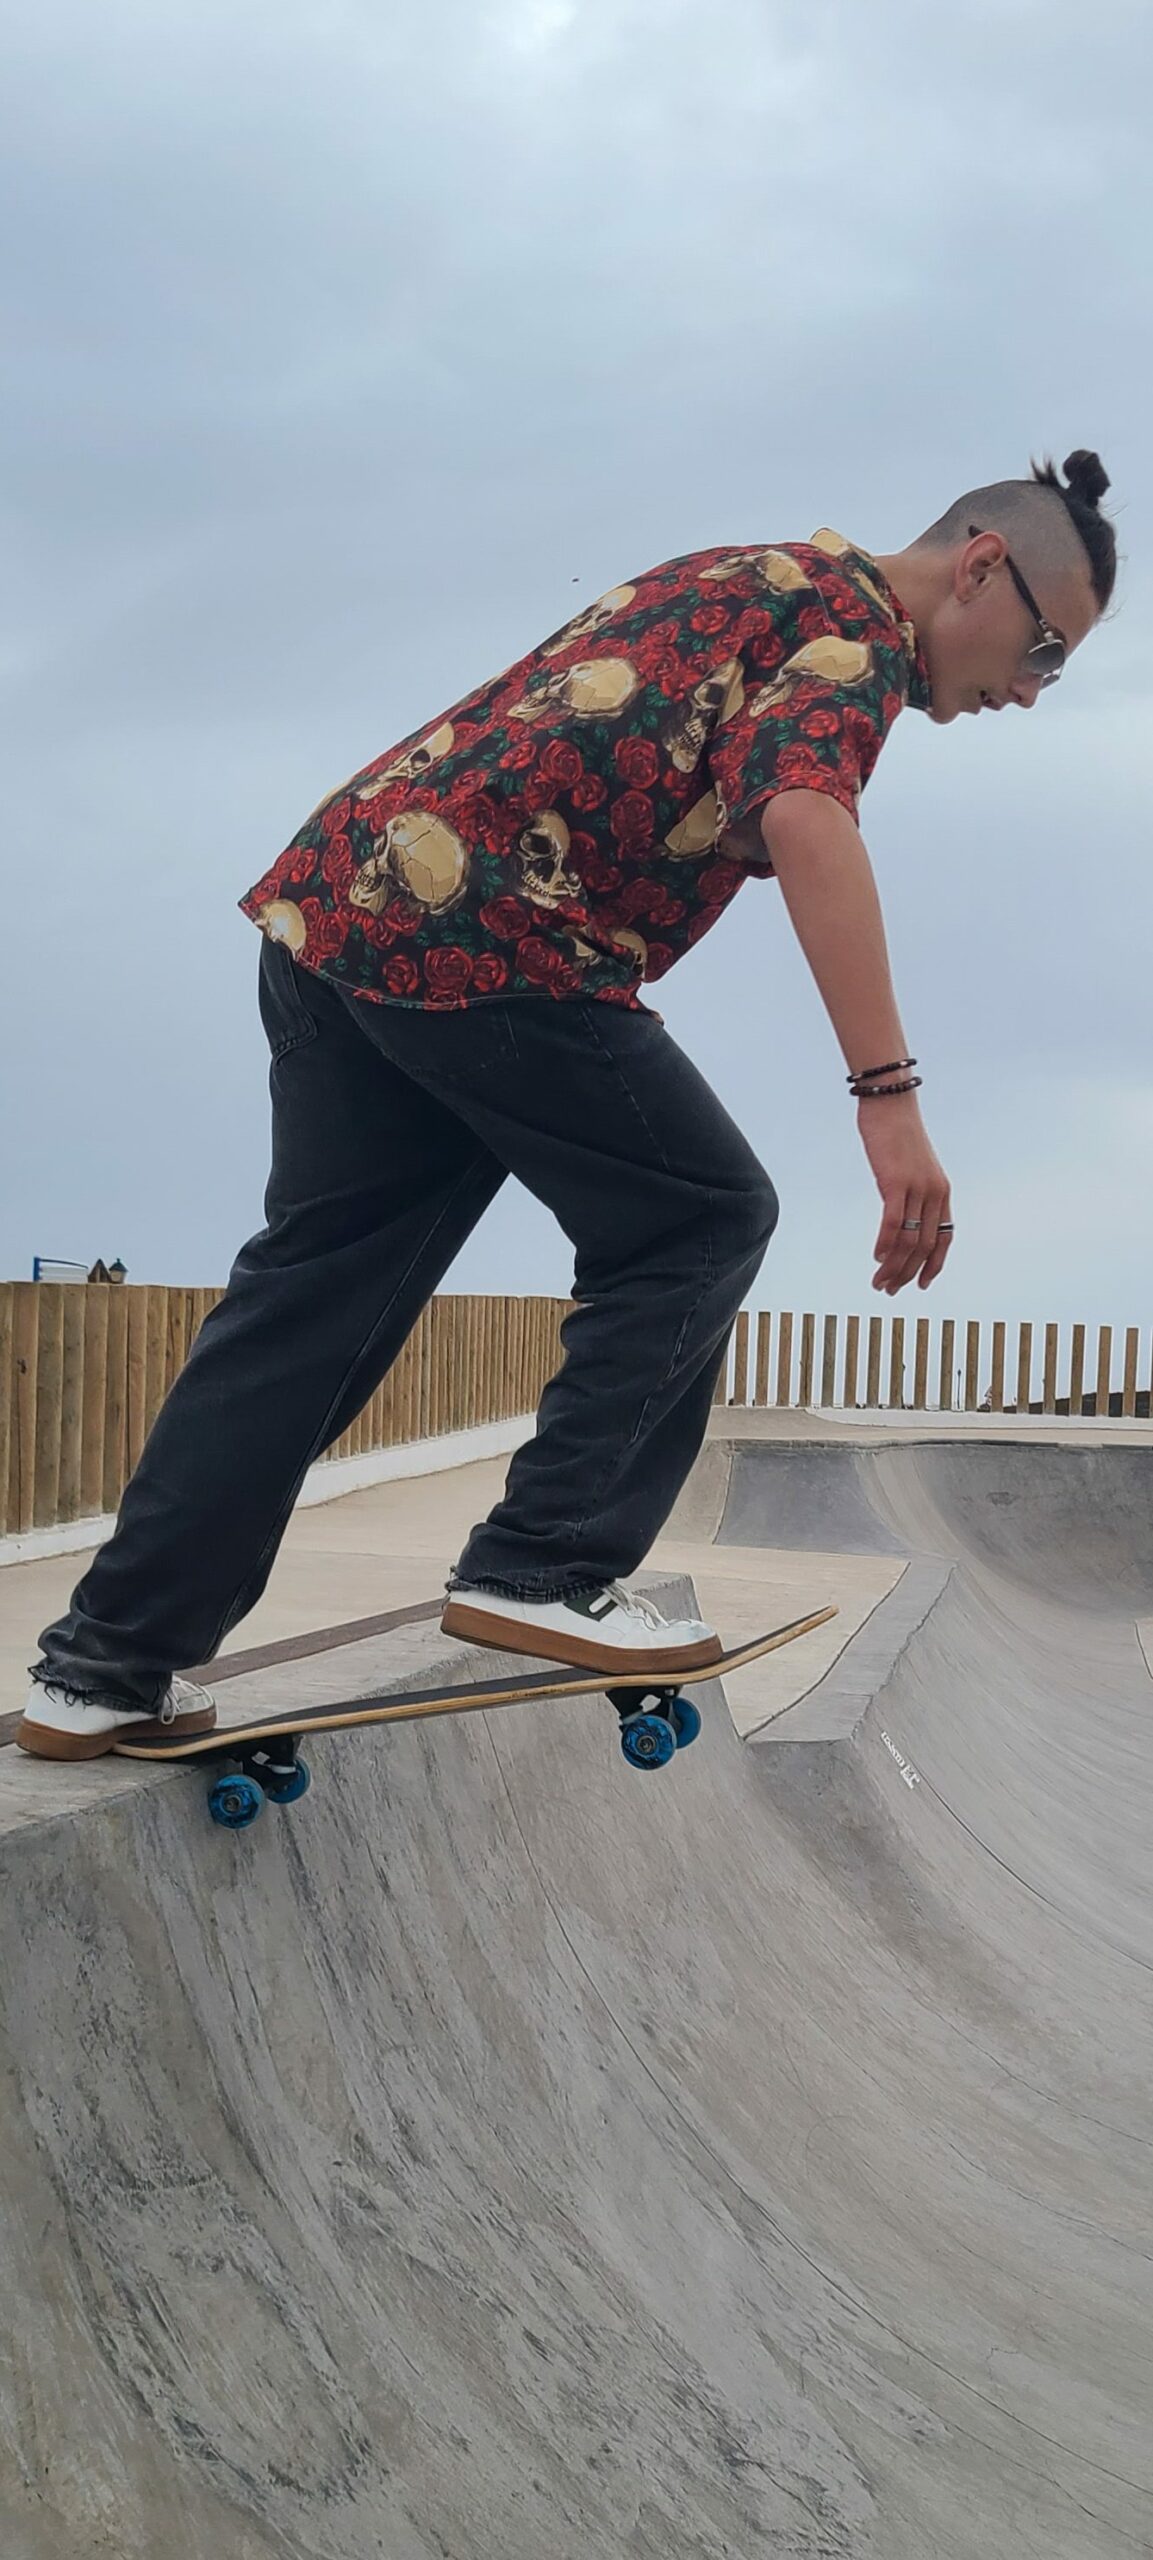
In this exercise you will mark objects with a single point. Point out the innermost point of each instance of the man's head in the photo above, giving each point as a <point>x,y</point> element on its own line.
<point>962,582</point>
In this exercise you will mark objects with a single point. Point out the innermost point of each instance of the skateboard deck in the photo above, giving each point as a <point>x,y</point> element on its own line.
<point>656,1719</point>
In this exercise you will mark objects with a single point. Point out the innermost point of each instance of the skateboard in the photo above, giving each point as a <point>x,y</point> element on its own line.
<point>260,1761</point>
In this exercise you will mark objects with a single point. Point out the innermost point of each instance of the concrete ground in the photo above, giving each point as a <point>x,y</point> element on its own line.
<point>504,2152</point>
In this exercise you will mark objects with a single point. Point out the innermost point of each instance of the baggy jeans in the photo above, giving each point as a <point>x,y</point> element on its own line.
<point>392,1130</point>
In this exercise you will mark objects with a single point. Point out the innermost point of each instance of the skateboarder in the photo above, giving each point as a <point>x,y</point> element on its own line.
<point>454,950</point>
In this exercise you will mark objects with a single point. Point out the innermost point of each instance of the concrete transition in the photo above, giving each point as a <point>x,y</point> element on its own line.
<point>505,2156</point>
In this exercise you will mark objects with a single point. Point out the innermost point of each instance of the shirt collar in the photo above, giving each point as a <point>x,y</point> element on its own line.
<point>862,569</point>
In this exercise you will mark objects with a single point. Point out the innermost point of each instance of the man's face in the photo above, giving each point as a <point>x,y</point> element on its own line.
<point>976,641</point>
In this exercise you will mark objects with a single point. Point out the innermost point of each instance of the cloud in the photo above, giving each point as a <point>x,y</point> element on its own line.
<point>347,348</point>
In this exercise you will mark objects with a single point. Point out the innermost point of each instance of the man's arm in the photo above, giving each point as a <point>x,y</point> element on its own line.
<point>827,884</point>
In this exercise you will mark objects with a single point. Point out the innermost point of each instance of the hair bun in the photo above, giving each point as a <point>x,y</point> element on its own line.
<point>1087,477</point>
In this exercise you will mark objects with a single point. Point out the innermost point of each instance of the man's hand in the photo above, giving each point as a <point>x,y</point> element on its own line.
<point>912,1186</point>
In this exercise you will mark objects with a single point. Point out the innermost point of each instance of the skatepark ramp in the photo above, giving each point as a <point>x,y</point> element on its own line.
<point>504,2153</point>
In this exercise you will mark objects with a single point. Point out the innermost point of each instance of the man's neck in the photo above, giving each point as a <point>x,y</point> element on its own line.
<point>914,579</point>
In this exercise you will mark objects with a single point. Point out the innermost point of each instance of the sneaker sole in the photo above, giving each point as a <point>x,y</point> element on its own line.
<point>510,1635</point>
<point>43,1742</point>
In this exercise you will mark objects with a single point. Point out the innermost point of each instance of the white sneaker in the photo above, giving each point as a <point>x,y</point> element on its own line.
<point>609,1629</point>
<point>58,1724</point>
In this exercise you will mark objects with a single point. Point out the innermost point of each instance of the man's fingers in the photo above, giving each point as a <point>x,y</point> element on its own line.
<point>915,1237</point>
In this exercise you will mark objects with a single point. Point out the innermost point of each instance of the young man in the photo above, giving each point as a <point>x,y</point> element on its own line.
<point>454,947</point>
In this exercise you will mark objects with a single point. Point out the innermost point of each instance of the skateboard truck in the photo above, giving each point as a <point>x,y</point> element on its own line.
<point>654,1723</point>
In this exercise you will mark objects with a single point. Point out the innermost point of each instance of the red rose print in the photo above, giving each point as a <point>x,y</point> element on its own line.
<point>325,930</point>
<point>508,918</point>
<point>797,767</point>
<point>447,971</point>
<point>709,617</point>
<point>821,722</point>
<point>659,664</point>
<point>589,793</point>
<point>537,793</point>
<point>632,819</point>
<point>664,909</point>
<point>599,875</point>
<point>401,975</point>
<point>298,863</point>
<point>561,764</point>
<point>637,762</point>
<point>544,965</point>
<point>489,973</point>
<point>718,881</point>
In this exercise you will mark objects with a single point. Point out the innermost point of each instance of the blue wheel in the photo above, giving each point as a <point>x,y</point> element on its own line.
<point>235,1802</point>
<point>289,1790</point>
<point>685,1720</point>
<point>647,1741</point>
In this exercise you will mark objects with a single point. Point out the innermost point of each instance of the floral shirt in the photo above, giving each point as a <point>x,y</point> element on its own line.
<point>574,826</point>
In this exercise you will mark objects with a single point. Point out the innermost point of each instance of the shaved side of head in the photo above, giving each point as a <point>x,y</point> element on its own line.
<point>1052,527</point>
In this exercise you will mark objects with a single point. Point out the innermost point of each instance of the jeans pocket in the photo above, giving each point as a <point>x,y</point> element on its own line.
<point>283,994</point>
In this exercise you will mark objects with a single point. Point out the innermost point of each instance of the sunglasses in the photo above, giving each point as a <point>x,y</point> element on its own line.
<point>1047,656</point>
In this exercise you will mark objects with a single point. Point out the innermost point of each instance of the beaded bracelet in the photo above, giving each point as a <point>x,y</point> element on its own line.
<point>866,1074</point>
<point>872,1092</point>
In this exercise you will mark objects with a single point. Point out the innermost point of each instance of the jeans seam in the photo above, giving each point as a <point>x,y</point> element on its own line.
<point>597,1497</point>
<point>622,1079</point>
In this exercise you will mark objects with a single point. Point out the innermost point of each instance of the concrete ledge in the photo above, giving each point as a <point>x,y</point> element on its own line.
<point>833,1709</point>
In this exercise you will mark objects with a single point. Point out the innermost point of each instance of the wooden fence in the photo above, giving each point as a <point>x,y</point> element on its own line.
<point>85,1368</point>
<point>895,1366</point>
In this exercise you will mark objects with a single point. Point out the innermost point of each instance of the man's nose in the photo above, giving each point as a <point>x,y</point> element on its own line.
<point>1025,691</point>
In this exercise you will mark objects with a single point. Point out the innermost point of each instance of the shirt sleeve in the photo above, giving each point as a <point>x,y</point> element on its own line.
<point>816,724</point>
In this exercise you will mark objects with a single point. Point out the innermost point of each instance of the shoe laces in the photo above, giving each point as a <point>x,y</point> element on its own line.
<point>179,1698</point>
<point>633,1605</point>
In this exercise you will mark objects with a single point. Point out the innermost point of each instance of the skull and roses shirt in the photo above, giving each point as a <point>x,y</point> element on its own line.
<point>572,827</point>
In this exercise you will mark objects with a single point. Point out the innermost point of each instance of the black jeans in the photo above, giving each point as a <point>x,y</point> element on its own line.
<point>392,1130</point>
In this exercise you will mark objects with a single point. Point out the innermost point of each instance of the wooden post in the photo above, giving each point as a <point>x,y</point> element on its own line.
<point>1049,1388</point>
<point>1024,1369</point>
<point>137,1365</point>
<point>1077,1371</point>
<point>784,1359</point>
<point>176,1324</point>
<point>49,1357</point>
<point>740,1394</point>
<point>764,1332</point>
<point>829,1363</point>
<point>948,1355</point>
<point>852,1362</point>
<point>972,1366</point>
<point>921,1367</point>
<point>808,1356</point>
<point>25,1345</point>
<point>1104,1369</point>
<point>7,1398</point>
<point>116,1401</point>
<point>96,1296</point>
<point>1129,1390</point>
<point>873,1389</point>
<point>74,1297</point>
<point>897,1365</point>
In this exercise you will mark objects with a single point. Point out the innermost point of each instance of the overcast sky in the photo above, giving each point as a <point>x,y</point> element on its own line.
<point>351,347</point>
